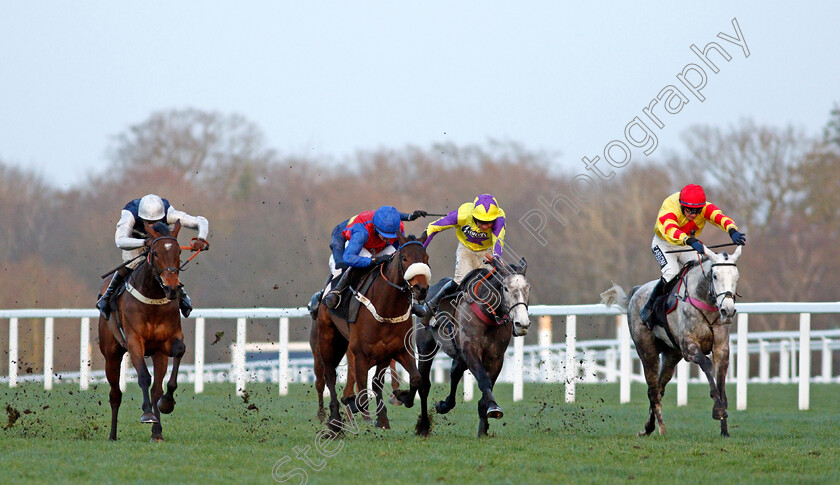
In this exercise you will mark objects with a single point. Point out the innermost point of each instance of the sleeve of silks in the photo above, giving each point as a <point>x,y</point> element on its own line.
<point>714,215</point>
<point>442,224</point>
<point>193,222</point>
<point>357,241</point>
<point>123,236</point>
<point>499,235</point>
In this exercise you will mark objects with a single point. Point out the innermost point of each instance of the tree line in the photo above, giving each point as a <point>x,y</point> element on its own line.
<point>271,214</point>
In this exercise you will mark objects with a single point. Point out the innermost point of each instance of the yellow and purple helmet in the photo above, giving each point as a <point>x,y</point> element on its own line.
<point>485,208</point>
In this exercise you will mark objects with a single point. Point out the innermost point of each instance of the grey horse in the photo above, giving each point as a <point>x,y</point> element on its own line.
<point>699,325</point>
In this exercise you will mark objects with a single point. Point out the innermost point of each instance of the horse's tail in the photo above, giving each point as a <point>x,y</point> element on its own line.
<point>615,296</point>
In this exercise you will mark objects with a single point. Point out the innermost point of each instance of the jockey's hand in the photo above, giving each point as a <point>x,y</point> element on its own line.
<point>148,242</point>
<point>379,259</point>
<point>200,244</point>
<point>737,237</point>
<point>696,244</point>
<point>416,214</point>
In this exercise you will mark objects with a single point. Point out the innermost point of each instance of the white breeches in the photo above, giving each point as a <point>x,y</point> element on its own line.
<point>467,260</point>
<point>670,263</point>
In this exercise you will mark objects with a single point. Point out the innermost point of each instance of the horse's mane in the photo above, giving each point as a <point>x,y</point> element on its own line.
<point>162,228</point>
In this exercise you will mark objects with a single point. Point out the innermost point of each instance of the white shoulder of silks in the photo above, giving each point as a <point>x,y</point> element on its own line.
<point>417,269</point>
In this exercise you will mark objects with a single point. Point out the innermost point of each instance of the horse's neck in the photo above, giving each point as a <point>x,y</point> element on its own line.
<point>143,279</point>
<point>381,284</point>
<point>697,285</point>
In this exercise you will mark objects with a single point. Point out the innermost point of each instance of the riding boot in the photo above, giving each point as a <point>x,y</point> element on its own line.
<point>647,311</point>
<point>184,302</point>
<point>431,304</point>
<point>333,298</point>
<point>314,302</point>
<point>104,303</point>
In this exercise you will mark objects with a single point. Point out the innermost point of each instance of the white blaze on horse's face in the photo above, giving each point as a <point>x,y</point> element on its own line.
<point>724,284</point>
<point>516,291</point>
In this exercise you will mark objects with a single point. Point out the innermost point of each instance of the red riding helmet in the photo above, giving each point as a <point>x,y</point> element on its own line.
<point>692,196</point>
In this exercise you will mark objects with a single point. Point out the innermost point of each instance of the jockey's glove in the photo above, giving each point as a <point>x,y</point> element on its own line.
<point>200,244</point>
<point>737,237</point>
<point>379,259</point>
<point>696,244</point>
<point>417,214</point>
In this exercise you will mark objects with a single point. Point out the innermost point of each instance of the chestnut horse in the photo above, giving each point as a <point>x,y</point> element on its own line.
<point>151,325</point>
<point>378,335</point>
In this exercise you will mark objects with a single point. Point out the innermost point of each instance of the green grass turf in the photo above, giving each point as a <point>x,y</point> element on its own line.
<point>218,437</point>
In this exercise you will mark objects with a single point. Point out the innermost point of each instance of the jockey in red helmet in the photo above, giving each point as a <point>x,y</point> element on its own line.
<point>681,218</point>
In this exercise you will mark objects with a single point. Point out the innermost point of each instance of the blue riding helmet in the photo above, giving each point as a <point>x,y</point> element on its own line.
<point>386,220</point>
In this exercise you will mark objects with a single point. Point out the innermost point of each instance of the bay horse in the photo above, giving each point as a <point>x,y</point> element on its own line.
<point>378,335</point>
<point>473,333</point>
<point>699,325</point>
<point>151,325</point>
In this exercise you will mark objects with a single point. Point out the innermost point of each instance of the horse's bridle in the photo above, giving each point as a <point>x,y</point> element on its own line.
<point>402,288</point>
<point>152,253</point>
<point>726,294</point>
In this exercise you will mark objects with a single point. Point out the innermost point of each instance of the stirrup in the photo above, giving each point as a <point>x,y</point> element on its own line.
<point>332,300</point>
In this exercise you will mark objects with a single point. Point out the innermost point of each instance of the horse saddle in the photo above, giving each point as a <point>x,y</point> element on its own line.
<point>667,301</point>
<point>348,309</point>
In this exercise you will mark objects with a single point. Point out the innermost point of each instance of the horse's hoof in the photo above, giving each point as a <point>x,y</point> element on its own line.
<point>156,439</point>
<point>383,424</point>
<point>165,405</point>
<point>148,418</point>
<point>440,407</point>
<point>322,415</point>
<point>394,400</point>
<point>719,414</point>
<point>350,402</point>
<point>404,397</point>
<point>495,412</point>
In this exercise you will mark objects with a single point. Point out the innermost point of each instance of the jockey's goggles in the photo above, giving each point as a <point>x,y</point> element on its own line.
<point>692,210</point>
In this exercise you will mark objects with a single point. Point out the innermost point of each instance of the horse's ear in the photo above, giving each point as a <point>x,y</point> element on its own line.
<point>737,253</point>
<point>401,238</point>
<point>150,230</point>
<point>523,265</point>
<point>715,257</point>
<point>177,228</point>
<point>423,237</point>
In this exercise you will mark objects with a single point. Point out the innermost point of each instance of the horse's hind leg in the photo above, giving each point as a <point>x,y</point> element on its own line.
<point>113,361</point>
<point>349,396</point>
<point>159,362</point>
<point>671,358</point>
<point>406,359</point>
<point>650,362</point>
<point>177,349</point>
<point>455,373</point>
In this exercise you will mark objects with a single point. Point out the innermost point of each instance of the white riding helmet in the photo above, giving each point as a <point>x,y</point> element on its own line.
<point>151,208</point>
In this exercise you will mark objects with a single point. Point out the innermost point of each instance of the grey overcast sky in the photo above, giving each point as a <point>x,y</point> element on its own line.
<point>329,78</point>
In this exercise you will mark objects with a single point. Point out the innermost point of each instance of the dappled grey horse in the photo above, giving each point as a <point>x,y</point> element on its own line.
<point>474,328</point>
<point>699,325</point>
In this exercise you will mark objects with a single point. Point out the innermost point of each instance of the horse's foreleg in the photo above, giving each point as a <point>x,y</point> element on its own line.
<point>455,373</point>
<point>378,383</point>
<point>144,379</point>
<point>160,362</point>
<point>406,359</point>
<point>349,396</point>
<point>694,354</point>
<point>721,357</point>
<point>426,349</point>
<point>177,350</point>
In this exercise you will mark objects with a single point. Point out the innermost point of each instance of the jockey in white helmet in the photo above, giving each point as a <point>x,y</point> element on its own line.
<point>131,237</point>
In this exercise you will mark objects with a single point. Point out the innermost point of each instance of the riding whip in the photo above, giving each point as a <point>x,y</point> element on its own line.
<point>141,255</point>
<point>710,247</point>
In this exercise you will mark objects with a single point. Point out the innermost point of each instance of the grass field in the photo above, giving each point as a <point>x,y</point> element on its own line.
<point>218,437</point>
